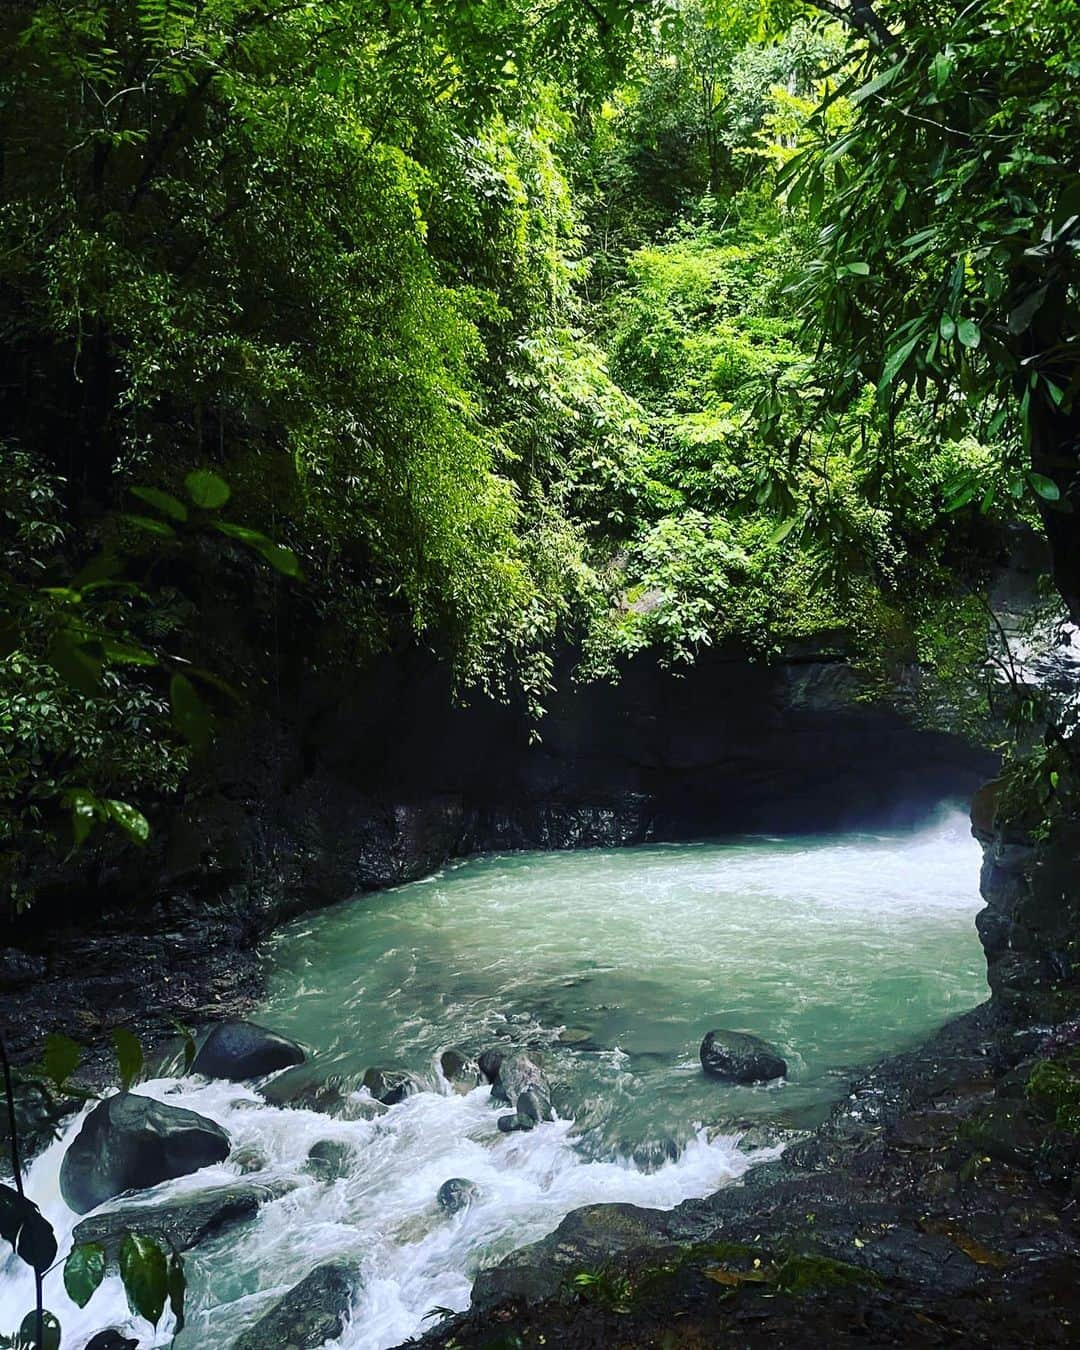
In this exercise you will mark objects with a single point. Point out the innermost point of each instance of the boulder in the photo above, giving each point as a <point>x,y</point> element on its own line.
<point>129,1142</point>
<point>461,1072</point>
<point>313,1312</point>
<point>240,1050</point>
<point>181,1224</point>
<point>329,1084</point>
<point>740,1058</point>
<point>523,1085</point>
<point>488,1064</point>
<point>329,1159</point>
<point>456,1194</point>
<point>391,1086</point>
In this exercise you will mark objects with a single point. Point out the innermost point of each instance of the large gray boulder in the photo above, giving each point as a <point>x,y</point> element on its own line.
<point>129,1142</point>
<point>181,1224</point>
<point>313,1312</point>
<point>242,1050</point>
<point>737,1057</point>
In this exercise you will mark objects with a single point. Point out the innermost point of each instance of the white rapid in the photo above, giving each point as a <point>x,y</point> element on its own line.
<point>838,949</point>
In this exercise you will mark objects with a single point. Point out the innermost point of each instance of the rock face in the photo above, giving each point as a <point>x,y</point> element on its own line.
<point>241,1050</point>
<point>737,1057</point>
<point>180,1225</point>
<point>313,1312</point>
<point>456,1194</point>
<point>523,1085</point>
<point>461,1072</point>
<point>129,1142</point>
<point>330,1159</point>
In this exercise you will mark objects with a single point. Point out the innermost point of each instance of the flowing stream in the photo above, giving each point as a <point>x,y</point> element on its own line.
<point>613,965</point>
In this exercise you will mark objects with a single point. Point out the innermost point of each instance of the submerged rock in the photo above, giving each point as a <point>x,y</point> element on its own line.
<point>129,1142</point>
<point>391,1086</point>
<point>488,1064</point>
<point>241,1050</point>
<point>738,1057</point>
<point>328,1084</point>
<point>330,1159</point>
<point>181,1224</point>
<point>456,1194</point>
<point>313,1312</point>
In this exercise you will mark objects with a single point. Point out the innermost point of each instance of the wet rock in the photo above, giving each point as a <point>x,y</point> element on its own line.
<point>523,1085</point>
<point>329,1085</point>
<point>574,1036</point>
<point>737,1057</point>
<point>129,1142</point>
<point>19,969</point>
<point>488,1064</point>
<point>1007,1133</point>
<point>329,1160</point>
<point>456,1194</point>
<point>241,1050</point>
<point>764,1134</point>
<point>461,1072</point>
<point>390,1086</point>
<point>313,1312</point>
<point>248,1159</point>
<point>180,1224</point>
<point>111,1340</point>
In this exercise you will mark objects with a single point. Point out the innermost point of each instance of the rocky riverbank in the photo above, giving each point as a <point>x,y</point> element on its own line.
<point>935,1207</point>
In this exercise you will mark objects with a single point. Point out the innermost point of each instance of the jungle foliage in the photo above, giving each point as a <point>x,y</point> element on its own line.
<point>633,323</point>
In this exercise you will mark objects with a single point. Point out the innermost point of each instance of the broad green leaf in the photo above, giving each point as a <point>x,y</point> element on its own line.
<point>969,333</point>
<point>164,502</point>
<point>1021,317</point>
<point>281,559</point>
<point>50,1332</point>
<point>242,532</point>
<point>782,530</point>
<point>188,1039</point>
<point>145,1275</point>
<point>130,819</point>
<point>26,1228</point>
<point>83,1272</point>
<point>207,490</point>
<point>190,713</point>
<point>86,811</point>
<point>1047,489</point>
<point>149,525</point>
<point>77,662</point>
<point>60,1058</point>
<point>127,653</point>
<point>66,594</point>
<point>947,328</point>
<point>129,1057</point>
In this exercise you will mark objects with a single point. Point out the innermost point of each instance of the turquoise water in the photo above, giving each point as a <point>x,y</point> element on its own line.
<point>838,949</point>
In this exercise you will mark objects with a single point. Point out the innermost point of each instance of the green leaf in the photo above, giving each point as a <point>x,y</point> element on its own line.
<point>896,361</point>
<point>190,714</point>
<point>60,1058</point>
<point>1047,489</point>
<point>149,525</point>
<point>77,662</point>
<point>127,653</point>
<point>878,83</point>
<point>50,1332</point>
<point>86,811</point>
<point>83,1272</point>
<point>279,557</point>
<point>960,495</point>
<point>782,531</point>
<point>164,502</point>
<point>129,1057</point>
<point>947,328</point>
<point>207,489</point>
<point>130,819</point>
<point>145,1275</point>
<point>969,333</point>
<point>187,1037</point>
<point>26,1228</point>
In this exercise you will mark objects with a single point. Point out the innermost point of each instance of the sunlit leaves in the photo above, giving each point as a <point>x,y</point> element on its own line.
<point>207,490</point>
